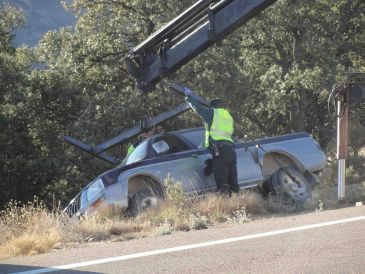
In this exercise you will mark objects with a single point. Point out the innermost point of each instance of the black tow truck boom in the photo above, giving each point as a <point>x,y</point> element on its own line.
<point>165,51</point>
<point>192,32</point>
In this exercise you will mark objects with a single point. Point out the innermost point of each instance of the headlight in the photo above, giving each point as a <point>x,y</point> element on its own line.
<point>94,190</point>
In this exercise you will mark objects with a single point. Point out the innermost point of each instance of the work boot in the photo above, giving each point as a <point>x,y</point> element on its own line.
<point>223,191</point>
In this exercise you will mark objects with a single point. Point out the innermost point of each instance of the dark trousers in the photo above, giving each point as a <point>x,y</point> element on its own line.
<point>225,168</point>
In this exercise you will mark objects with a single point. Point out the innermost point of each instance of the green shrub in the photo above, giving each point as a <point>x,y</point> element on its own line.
<point>174,192</point>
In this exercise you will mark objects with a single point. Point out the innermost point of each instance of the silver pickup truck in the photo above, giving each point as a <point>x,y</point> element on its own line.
<point>285,165</point>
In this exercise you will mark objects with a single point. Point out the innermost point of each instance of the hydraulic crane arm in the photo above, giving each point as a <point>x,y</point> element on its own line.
<point>99,150</point>
<point>188,35</point>
<point>143,126</point>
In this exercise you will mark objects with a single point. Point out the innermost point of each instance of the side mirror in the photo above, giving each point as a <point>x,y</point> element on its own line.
<point>245,145</point>
<point>160,147</point>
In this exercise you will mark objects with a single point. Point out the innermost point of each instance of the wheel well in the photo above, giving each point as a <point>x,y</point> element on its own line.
<point>140,182</point>
<point>274,161</point>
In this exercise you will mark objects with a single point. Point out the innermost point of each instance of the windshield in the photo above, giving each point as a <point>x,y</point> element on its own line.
<point>139,153</point>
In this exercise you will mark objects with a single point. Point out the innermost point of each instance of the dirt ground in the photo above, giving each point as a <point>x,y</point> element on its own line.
<point>328,196</point>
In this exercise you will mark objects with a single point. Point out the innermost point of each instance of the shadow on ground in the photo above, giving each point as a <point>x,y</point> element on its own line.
<point>10,268</point>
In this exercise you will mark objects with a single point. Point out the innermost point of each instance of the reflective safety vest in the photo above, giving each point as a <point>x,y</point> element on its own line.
<point>130,149</point>
<point>222,126</point>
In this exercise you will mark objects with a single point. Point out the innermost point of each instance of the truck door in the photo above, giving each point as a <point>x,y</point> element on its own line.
<point>181,163</point>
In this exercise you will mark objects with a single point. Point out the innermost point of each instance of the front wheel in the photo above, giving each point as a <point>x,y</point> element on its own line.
<point>290,186</point>
<point>144,199</point>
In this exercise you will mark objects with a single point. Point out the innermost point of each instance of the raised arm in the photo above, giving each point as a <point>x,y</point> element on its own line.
<point>206,113</point>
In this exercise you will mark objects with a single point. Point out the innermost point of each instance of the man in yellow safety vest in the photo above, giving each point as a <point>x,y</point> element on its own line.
<point>219,127</point>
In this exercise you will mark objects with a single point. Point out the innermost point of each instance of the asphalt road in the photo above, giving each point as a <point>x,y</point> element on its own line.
<point>324,242</point>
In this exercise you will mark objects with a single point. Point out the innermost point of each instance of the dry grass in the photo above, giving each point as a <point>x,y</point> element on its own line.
<point>199,213</point>
<point>32,228</point>
<point>28,229</point>
<point>31,243</point>
<point>220,208</point>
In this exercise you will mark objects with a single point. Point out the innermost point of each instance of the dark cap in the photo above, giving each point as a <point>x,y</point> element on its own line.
<point>217,102</point>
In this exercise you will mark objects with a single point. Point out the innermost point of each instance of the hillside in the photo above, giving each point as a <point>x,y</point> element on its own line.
<point>42,16</point>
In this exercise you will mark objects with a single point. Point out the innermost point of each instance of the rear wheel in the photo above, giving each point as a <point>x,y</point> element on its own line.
<point>290,186</point>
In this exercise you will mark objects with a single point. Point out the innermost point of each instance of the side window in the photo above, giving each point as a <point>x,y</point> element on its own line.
<point>196,137</point>
<point>140,153</point>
